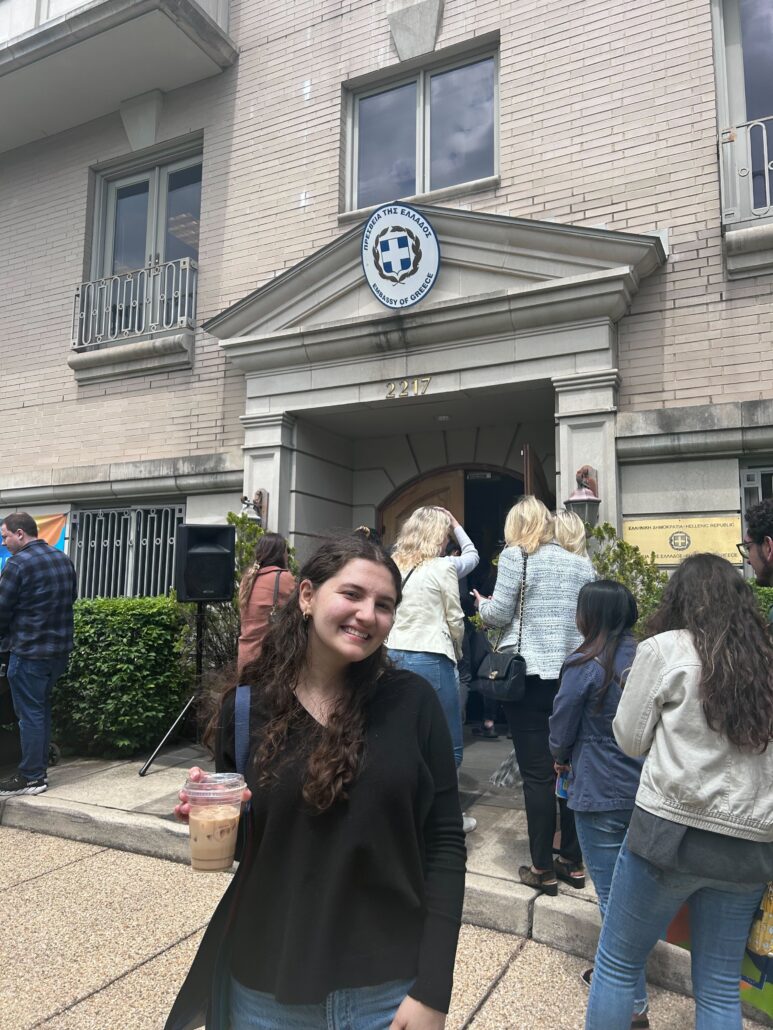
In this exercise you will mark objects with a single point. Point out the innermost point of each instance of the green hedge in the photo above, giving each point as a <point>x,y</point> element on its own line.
<point>128,675</point>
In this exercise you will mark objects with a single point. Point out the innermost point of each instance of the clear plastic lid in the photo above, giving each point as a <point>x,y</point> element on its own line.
<point>215,789</point>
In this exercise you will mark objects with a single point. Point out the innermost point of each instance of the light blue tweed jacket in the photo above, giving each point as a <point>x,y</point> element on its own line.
<point>554,578</point>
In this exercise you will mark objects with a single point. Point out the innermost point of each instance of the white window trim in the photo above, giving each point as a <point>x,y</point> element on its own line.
<point>420,76</point>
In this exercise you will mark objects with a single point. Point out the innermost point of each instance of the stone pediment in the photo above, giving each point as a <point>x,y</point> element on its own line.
<point>481,255</point>
<point>497,275</point>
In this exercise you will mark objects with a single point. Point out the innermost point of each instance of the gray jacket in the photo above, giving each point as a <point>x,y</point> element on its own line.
<point>554,578</point>
<point>692,775</point>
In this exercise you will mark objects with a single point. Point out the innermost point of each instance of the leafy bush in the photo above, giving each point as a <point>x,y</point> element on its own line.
<point>128,675</point>
<point>764,597</point>
<point>616,559</point>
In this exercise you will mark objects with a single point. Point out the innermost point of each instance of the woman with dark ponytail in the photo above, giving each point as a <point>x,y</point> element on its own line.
<point>698,703</point>
<point>346,906</point>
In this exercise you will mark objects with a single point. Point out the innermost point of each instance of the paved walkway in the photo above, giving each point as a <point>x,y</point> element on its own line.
<point>106,805</point>
<point>98,939</point>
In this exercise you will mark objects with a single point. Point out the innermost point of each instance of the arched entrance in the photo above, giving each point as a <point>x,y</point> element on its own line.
<point>479,496</point>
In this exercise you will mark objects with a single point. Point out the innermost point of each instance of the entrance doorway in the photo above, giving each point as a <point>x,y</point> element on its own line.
<point>479,497</point>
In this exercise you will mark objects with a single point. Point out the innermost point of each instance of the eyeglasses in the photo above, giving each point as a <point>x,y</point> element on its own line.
<point>743,548</point>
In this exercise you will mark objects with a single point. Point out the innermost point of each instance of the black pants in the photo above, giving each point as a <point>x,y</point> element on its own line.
<point>528,721</point>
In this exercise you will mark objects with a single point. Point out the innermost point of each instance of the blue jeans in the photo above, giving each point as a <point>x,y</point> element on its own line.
<point>32,681</point>
<point>642,902</point>
<point>366,1008</point>
<point>440,672</point>
<point>601,835</point>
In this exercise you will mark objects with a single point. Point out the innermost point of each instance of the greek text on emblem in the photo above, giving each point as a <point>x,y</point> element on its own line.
<point>396,253</point>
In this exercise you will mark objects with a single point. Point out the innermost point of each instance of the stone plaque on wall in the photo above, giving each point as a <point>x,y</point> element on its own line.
<point>675,538</point>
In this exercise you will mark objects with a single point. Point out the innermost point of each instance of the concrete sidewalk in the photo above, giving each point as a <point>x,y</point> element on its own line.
<point>107,804</point>
<point>107,938</point>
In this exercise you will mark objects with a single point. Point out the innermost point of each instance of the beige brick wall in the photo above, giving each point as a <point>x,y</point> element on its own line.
<point>607,116</point>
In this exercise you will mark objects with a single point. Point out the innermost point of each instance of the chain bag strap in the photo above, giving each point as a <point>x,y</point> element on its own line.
<point>502,674</point>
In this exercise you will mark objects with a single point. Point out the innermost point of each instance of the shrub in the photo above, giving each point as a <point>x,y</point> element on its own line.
<point>764,597</point>
<point>616,559</point>
<point>128,674</point>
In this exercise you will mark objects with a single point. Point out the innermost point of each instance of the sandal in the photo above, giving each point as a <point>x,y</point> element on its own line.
<point>572,873</point>
<point>545,882</point>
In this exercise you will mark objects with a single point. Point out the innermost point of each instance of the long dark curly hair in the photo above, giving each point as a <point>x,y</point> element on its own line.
<point>333,752</point>
<point>708,597</point>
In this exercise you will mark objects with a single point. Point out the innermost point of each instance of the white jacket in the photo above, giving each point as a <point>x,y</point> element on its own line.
<point>429,617</point>
<point>692,775</point>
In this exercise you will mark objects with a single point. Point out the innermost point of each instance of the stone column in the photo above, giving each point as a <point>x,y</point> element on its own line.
<point>586,407</point>
<point>269,455</point>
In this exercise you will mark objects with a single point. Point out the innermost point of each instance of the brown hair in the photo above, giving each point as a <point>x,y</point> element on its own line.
<point>20,520</point>
<point>334,751</point>
<point>708,597</point>
<point>271,549</point>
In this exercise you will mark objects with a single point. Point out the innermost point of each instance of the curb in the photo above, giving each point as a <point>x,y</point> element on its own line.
<point>91,824</point>
<point>566,923</point>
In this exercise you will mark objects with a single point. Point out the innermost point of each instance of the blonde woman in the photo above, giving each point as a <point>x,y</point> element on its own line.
<point>429,625</point>
<point>569,532</point>
<point>554,578</point>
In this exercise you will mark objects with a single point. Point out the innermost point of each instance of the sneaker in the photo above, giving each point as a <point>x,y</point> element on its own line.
<point>18,784</point>
<point>586,976</point>
<point>640,1021</point>
<point>468,823</point>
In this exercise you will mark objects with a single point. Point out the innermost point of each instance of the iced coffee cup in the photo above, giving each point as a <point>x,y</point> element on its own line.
<point>215,805</point>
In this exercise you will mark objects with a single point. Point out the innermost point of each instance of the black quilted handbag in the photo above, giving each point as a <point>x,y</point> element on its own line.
<point>502,674</point>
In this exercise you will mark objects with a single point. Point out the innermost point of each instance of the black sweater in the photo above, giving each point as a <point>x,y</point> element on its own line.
<point>370,890</point>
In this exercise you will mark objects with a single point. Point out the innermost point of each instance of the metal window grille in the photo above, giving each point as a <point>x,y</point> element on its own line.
<point>125,552</point>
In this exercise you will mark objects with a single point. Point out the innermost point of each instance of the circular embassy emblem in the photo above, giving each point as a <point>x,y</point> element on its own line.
<point>400,255</point>
<point>680,540</point>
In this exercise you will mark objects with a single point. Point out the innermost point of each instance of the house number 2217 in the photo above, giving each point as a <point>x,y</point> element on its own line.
<point>408,387</point>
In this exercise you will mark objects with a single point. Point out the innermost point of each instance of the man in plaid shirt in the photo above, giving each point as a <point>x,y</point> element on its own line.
<point>37,591</point>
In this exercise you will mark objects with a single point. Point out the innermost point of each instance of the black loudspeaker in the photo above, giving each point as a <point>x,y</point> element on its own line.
<point>204,563</point>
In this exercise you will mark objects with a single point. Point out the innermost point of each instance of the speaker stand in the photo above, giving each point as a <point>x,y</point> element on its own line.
<point>200,613</point>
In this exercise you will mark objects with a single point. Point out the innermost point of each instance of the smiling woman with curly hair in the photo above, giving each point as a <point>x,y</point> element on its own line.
<point>349,894</point>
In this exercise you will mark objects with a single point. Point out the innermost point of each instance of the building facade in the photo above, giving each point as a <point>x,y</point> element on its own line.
<point>184,187</point>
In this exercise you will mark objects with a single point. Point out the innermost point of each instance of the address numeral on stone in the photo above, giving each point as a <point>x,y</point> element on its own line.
<point>408,387</point>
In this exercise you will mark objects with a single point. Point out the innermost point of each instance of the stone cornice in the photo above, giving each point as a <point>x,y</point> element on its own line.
<point>605,294</point>
<point>587,380</point>
<point>124,481</point>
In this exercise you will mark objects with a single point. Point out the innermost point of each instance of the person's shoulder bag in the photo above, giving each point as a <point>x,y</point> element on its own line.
<point>502,674</point>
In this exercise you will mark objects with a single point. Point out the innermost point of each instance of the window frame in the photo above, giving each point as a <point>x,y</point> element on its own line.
<point>421,76</point>
<point>736,211</point>
<point>157,174</point>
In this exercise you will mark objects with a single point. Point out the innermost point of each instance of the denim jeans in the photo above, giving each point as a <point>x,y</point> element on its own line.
<point>440,672</point>
<point>366,1008</point>
<point>601,835</point>
<point>32,681</point>
<point>642,902</point>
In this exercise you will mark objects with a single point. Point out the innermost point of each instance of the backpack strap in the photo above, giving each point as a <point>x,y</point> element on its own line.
<point>242,727</point>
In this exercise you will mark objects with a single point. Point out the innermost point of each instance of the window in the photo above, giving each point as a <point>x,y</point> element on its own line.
<point>125,552</point>
<point>433,130</point>
<point>146,256</point>
<point>746,109</point>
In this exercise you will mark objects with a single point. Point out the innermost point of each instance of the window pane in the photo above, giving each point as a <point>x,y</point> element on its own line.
<point>462,124</point>
<point>386,146</point>
<point>183,211</point>
<point>757,39</point>
<point>131,224</point>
